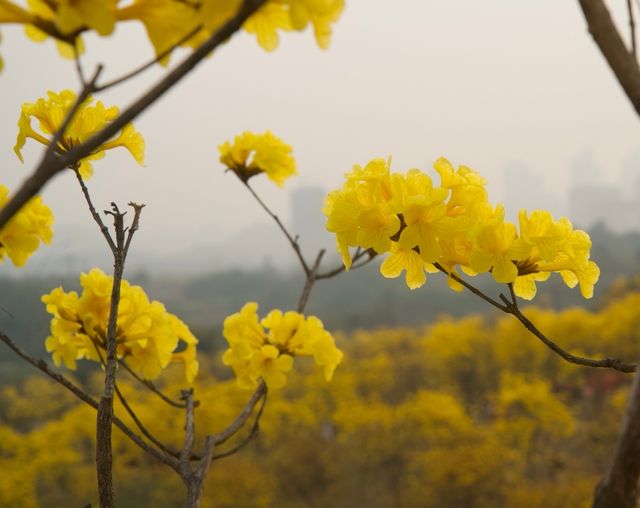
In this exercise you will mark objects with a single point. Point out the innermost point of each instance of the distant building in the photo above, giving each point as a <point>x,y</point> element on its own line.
<point>592,201</point>
<point>524,188</point>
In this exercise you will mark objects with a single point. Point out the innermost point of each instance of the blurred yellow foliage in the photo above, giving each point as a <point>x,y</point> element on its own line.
<point>471,412</point>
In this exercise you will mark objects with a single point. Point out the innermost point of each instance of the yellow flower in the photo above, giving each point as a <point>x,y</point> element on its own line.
<point>265,23</point>
<point>166,22</point>
<point>48,11</point>
<point>147,335</point>
<point>555,247</point>
<point>22,235</point>
<point>89,120</point>
<point>255,353</point>
<point>73,15</point>
<point>404,258</point>
<point>320,13</point>
<point>271,366</point>
<point>497,248</point>
<point>252,154</point>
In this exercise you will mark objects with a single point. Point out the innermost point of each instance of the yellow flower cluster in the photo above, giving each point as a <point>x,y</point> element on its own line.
<point>419,224</point>
<point>88,120</point>
<point>167,22</point>
<point>22,235</point>
<point>252,154</point>
<point>148,336</point>
<point>256,353</point>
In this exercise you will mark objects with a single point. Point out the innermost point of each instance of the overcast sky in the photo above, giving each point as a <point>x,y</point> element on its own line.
<point>485,84</point>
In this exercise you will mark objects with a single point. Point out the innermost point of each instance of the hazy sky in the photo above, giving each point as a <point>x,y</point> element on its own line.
<point>484,83</point>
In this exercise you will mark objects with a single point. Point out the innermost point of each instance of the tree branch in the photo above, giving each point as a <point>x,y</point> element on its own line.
<point>293,241</point>
<point>619,487</point>
<point>87,399</point>
<point>238,423</point>
<point>47,169</point>
<point>622,62</point>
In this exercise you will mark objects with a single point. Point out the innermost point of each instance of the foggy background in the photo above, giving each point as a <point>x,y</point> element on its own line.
<point>516,90</point>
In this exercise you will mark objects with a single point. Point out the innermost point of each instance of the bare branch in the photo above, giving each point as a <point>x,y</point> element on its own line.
<point>151,386</point>
<point>632,28</point>
<point>252,433</point>
<point>150,63</point>
<point>358,255</point>
<point>47,169</point>
<point>610,363</point>
<point>471,288</point>
<point>189,426</point>
<point>620,59</point>
<point>238,423</point>
<point>141,426</point>
<point>293,241</point>
<point>96,216</point>
<point>104,455</point>
<point>311,279</point>
<point>86,398</point>
<point>619,487</point>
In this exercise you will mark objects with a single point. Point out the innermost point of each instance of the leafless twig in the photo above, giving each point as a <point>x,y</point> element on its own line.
<point>292,241</point>
<point>47,169</point>
<point>244,415</point>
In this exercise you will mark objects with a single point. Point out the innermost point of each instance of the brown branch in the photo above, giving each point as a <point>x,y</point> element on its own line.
<point>252,433</point>
<point>240,420</point>
<point>104,455</point>
<point>610,363</point>
<point>311,279</point>
<point>358,255</point>
<point>632,28</point>
<point>293,241</point>
<point>86,398</point>
<point>96,216</point>
<point>189,426</point>
<point>620,59</point>
<point>471,288</point>
<point>47,169</point>
<point>141,426</point>
<point>151,386</point>
<point>150,63</point>
<point>79,70</point>
<point>619,487</point>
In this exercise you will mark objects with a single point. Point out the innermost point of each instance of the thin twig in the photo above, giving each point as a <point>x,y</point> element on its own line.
<point>311,279</point>
<point>294,243</point>
<point>150,63</point>
<point>153,388</point>
<point>610,363</point>
<point>359,254</point>
<point>86,398</point>
<point>47,169</point>
<point>79,70</point>
<point>96,216</point>
<point>244,415</point>
<point>471,288</point>
<point>141,426</point>
<point>252,433</point>
<point>137,210</point>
